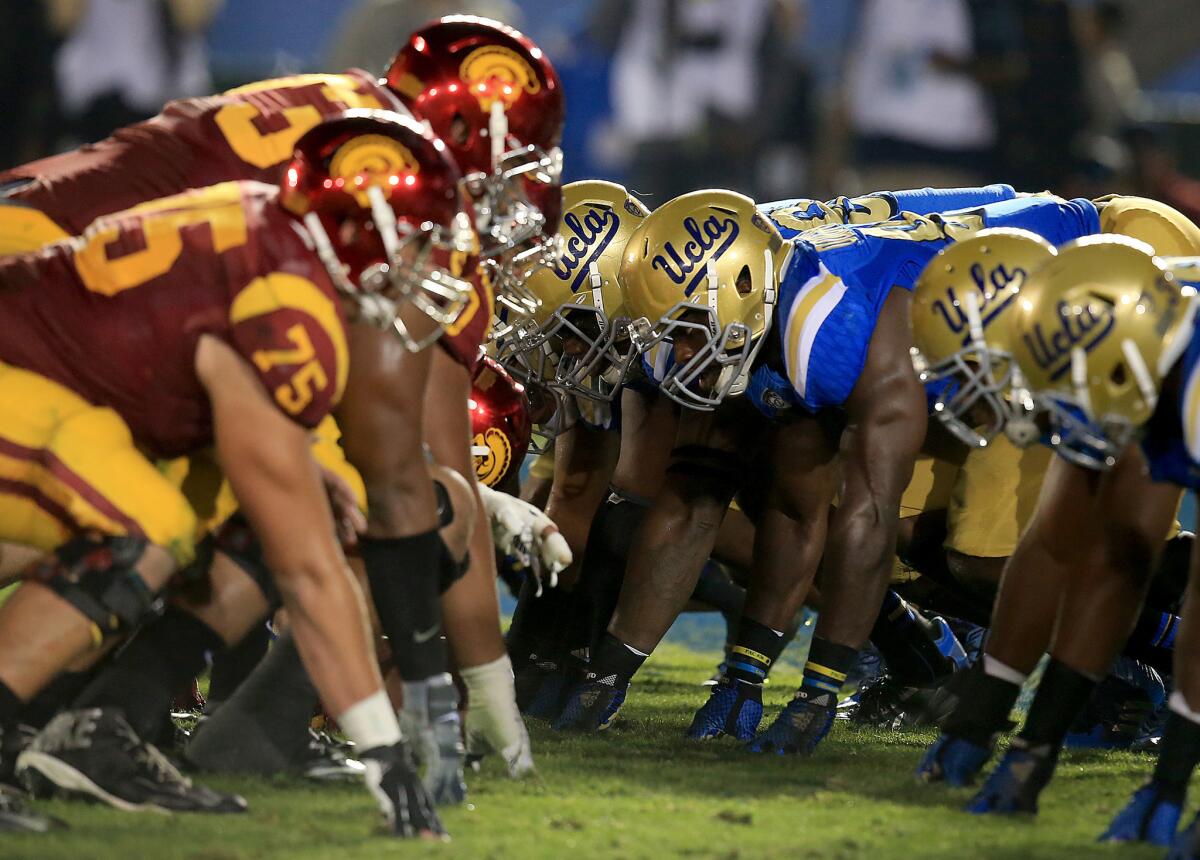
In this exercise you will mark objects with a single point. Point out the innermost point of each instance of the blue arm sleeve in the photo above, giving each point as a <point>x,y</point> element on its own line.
<point>927,201</point>
<point>1057,221</point>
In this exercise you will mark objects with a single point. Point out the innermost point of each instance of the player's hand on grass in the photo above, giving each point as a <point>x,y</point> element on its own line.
<point>391,777</point>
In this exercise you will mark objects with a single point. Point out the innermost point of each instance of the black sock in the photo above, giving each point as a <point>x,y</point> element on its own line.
<point>903,637</point>
<point>615,662</point>
<point>1178,755</point>
<point>983,706</point>
<point>828,665</point>
<point>263,728</point>
<point>144,678</point>
<point>234,665</point>
<point>756,647</point>
<point>10,705</point>
<point>1061,695</point>
<point>404,574</point>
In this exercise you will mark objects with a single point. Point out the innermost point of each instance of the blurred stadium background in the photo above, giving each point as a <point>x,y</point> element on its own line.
<point>778,98</point>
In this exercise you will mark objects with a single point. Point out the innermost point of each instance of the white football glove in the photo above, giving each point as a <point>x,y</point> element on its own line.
<point>493,722</point>
<point>524,532</point>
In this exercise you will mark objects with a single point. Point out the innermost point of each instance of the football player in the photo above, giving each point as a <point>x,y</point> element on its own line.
<point>496,101</point>
<point>102,374</point>
<point>647,434</point>
<point>709,273</point>
<point>1037,594</point>
<point>1131,372</point>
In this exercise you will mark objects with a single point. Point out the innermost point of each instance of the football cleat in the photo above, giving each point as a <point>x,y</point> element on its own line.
<point>801,725</point>
<point>430,717</point>
<point>541,688</point>
<point>953,760</point>
<point>391,776</point>
<point>1123,706</point>
<point>324,760</point>
<point>95,753</point>
<point>1150,816</point>
<point>733,708</point>
<point>1186,844</point>
<point>592,705</point>
<point>1017,781</point>
<point>17,817</point>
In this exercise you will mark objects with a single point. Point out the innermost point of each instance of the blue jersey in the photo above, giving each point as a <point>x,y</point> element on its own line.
<point>1172,441</point>
<point>834,287</point>
<point>797,215</point>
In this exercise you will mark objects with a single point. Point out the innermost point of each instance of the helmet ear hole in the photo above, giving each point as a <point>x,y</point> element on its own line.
<point>1118,377</point>
<point>460,130</point>
<point>744,283</point>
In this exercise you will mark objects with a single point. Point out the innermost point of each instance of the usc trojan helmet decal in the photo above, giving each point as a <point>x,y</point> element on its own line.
<point>496,73</point>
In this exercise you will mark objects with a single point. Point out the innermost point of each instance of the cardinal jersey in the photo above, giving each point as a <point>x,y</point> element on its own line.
<point>835,284</point>
<point>245,133</point>
<point>116,314</point>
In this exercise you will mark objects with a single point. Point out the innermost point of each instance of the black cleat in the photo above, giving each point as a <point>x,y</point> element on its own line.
<point>95,753</point>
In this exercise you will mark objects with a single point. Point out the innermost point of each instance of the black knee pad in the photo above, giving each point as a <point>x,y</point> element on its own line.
<point>97,576</point>
<point>707,473</point>
<point>450,570</point>
<point>237,540</point>
<point>445,508</point>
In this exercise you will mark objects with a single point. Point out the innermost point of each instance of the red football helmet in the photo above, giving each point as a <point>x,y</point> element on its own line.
<point>499,421</point>
<point>380,197</point>
<point>494,98</point>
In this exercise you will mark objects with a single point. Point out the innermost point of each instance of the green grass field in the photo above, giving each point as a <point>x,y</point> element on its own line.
<point>643,791</point>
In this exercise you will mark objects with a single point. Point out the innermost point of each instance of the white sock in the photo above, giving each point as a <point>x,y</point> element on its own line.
<point>371,723</point>
<point>1179,705</point>
<point>993,667</point>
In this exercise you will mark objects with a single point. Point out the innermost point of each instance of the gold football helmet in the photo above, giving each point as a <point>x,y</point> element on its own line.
<point>960,343</point>
<point>1094,332</point>
<point>703,268</point>
<point>577,341</point>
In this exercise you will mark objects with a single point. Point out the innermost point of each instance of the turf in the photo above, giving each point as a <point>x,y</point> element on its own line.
<point>641,790</point>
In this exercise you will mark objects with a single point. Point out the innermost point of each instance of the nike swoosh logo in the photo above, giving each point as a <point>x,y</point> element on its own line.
<point>423,636</point>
